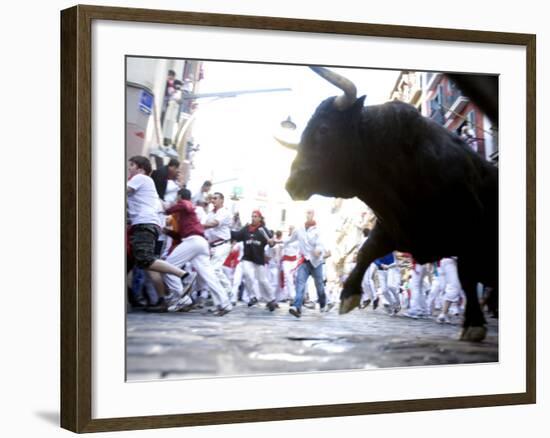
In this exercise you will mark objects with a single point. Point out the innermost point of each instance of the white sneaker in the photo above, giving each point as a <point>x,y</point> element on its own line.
<point>411,314</point>
<point>328,307</point>
<point>223,310</point>
<point>443,319</point>
<point>183,304</point>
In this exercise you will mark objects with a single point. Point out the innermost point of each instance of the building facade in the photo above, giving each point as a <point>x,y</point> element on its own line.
<point>437,97</point>
<point>159,110</point>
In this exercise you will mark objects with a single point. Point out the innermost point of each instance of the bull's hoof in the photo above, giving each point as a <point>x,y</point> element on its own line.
<point>349,303</point>
<point>473,333</point>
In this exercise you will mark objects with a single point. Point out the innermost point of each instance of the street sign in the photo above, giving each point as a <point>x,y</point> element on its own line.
<point>146,102</point>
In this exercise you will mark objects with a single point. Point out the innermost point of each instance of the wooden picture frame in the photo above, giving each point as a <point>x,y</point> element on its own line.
<point>76,218</point>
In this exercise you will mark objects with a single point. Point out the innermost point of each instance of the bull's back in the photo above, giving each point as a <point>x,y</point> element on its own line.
<point>437,194</point>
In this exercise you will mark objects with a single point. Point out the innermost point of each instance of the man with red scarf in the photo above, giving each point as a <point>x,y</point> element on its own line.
<point>255,236</point>
<point>312,265</point>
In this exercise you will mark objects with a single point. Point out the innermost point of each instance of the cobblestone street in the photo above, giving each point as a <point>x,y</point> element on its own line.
<point>255,341</point>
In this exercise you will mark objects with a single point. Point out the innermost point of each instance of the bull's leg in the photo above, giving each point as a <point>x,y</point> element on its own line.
<point>474,328</point>
<point>376,246</point>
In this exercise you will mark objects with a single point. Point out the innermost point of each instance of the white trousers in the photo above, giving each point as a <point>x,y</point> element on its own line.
<point>418,299</point>
<point>235,277</point>
<point>452,282</point>
<point>389,280</point>
<point>218,254</point>
<point>367,284</point>
<point>256,281</point>
<point>289,272</point>
<point>433,301</point>
<point>274,272</point>
<point>195,250</point>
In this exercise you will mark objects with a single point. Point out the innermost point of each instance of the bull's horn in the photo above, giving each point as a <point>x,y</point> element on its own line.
<point>350,91</point>
<point>287,144</point>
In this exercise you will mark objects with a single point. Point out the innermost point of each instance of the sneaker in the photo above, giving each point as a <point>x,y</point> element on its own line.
<point>443,319</point>
<point>272,305</point>
<point>182,304</point>
<point>328,307</point>
<point>388,308</point>
<point>187,281</point>
<point>223,310</point>
<point>364,304</point>
<point>375,303</point>
<point>252,302</point>
<point>309,305</point>
<point>411,314</point>
<point>187,305</point>
<point>294,311</point>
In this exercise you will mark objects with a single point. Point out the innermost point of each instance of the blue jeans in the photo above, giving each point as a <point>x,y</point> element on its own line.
<point>304,271</point>
<point>138,280</point>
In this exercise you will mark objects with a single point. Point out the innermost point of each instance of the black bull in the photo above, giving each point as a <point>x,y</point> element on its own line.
<point>432,195</point>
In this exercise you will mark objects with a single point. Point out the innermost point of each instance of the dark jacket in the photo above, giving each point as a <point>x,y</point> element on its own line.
<point>160,178</point>
<point>254,243</point>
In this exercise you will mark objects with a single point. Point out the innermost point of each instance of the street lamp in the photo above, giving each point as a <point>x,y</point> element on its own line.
<point>288,124</point>
<point>283,139</point>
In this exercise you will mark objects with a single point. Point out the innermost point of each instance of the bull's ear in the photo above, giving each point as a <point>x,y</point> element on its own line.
<point>359,103</point>
<point>357,109</point>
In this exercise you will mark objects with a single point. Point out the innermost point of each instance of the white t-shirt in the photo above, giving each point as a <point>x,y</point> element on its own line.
<point>223,230</point>
<point>291,249</point>
<point>171,192</point>
<point>309,241</point>
<point>143,201</point>
<point>274,253</point>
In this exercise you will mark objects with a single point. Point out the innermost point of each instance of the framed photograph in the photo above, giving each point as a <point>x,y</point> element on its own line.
<point>270,219</point>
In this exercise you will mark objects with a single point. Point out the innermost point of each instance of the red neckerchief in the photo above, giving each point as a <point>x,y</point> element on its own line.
<point>310,224</point>
<point>253,228</point>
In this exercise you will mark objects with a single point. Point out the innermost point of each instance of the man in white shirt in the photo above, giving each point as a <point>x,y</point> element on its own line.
<point>202,196</point>
<point>312,251</point>
<point>217,228</point>
<point>144,220</point>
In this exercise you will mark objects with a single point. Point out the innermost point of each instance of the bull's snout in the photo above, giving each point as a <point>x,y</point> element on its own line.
<point>291,187</point>
<point>296,182</point>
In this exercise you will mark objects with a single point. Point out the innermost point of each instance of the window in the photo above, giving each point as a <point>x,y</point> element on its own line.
<point>439,96</point>
<point>471,117</point>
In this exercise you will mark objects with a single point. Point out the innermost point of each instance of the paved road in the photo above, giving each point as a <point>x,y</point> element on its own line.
<point>255,341</point>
